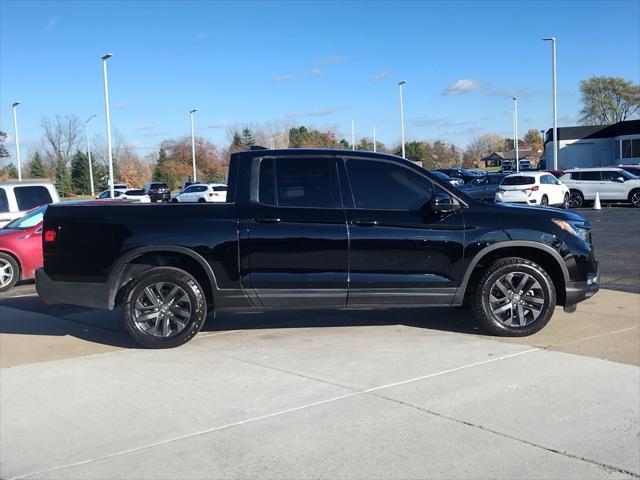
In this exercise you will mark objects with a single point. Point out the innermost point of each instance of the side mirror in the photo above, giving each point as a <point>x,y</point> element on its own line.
<point>442,203</point>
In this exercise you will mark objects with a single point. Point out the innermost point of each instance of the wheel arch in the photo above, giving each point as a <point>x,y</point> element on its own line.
<point>138,260</point>
<point>542,254</point>
<point>15,259</point>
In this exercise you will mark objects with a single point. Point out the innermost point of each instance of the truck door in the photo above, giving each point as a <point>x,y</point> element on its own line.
<point>297,245</point>
<point>400,250</point>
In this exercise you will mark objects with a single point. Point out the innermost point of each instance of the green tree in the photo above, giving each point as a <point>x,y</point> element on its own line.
<point>417,152</point>
<point>298,136</point>
<point>344,144</point>
<point>3,151</point>
<point>80,181</point>
<point>247,138</point>
<point>608,100</point>
<point>11,171</point>
<point>62,177</point>
<point>36,167</point>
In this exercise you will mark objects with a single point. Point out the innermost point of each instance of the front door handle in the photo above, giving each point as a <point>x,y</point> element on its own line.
<point>267,220</point>
<point>364,222</point>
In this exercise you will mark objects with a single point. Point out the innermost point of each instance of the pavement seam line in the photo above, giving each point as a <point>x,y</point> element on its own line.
<point>593,336</point>
<point>511,437</point>
<point>271,415</point>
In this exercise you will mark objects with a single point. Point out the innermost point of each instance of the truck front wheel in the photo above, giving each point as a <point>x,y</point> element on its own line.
<point>515,297</point>
<point>164,308</point>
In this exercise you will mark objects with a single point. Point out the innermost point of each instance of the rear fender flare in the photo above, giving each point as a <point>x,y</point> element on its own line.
<point>116,279</point>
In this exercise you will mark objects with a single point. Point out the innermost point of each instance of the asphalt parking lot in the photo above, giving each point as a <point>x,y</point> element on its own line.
<point>402,393</point>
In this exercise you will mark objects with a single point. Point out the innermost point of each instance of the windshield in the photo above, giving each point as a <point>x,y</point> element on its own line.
<point>31,219</point>
<point>519,180</point>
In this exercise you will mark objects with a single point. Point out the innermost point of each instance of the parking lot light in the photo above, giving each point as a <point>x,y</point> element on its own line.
<point>15,131</point>
<point>108,118</point>
<point>374,138</point>
<point>402,118</point>
<point>86,124</point>
<point>515,132</point>
<point>193,144</point>
<point>554,101</point>
<point>353,135</point>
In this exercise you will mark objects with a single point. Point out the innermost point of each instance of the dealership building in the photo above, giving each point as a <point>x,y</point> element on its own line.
<point>598,146</point>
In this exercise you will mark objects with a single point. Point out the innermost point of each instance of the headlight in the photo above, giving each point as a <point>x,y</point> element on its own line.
<point>574,228</point>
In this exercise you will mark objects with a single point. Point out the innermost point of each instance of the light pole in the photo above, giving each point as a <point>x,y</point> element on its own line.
<point>402,118</point>
<point>86,125</point>
<point>193,144</point>
<point>515,131</point>
<point>15,131</point>
<point>108,117</point>
<point>375,148</point>
<point>353,135</point>
<point>554,100</point>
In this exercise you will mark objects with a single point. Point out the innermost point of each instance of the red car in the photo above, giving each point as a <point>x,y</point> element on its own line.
<point>21,248</point>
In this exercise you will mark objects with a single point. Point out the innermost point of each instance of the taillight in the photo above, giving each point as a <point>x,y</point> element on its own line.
<point>50,236</point>
<point>535,188</point>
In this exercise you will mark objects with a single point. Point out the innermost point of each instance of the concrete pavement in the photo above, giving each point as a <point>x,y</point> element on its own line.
<point>384,394</point>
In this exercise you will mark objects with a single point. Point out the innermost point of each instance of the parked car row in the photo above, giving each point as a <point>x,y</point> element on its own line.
<point>201,193</point>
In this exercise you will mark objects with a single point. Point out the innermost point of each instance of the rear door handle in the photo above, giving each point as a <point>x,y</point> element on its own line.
<point>267,220</point>
<point>368,222</point>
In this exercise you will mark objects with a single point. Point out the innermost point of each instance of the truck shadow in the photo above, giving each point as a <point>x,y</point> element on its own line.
<point>30,316</point>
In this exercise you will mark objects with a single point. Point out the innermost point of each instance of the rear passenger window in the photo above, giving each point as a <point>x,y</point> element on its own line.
<point>28,197</point>
<point>298,182</point>
<point>4,202</point>
<point>590,176</point>
<point>384,185</point>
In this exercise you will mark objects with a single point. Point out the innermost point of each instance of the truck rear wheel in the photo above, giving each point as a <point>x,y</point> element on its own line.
<point>514,298</point>
<point>164,308</point>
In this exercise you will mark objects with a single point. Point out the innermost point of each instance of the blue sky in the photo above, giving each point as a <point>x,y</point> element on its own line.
<point>318,63</point>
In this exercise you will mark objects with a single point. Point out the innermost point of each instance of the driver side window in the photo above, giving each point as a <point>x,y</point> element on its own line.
<point>380,185</point>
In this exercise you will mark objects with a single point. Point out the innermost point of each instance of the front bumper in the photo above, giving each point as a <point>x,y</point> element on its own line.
<point>95,295</point>
<point>576,292</point>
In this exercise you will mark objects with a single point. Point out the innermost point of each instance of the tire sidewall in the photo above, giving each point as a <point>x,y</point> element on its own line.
<point>517,265</point>
<point>544,201</point>
<point>185,281</point>
<point>566,201</point>
<point>16,271</point>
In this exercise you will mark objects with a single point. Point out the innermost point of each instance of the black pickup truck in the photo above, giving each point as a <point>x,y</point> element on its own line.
<point>317,229</point>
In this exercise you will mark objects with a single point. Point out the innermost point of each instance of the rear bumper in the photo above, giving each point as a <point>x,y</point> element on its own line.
<point>95,295</point>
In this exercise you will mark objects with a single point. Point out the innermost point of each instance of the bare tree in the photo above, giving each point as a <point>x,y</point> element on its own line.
<point>62,135</point>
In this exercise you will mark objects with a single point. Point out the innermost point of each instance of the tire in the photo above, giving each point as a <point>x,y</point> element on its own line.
<point>576,199</point>
<point>171,301</point>
<point>634,198</point>
<point>499,288</point>
<point>544,201</point>
<point>174,200</point>
<point>9,272</point>
<point>202,200</point>
<point>566,201</point>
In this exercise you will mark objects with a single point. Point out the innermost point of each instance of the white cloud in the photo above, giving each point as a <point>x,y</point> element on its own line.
<point>380,76</point>
<point>464,85</point>
<point>317,112</point>
<point>51,24</point>
<point>120,105</point>
<point>282,78</point>
<point>215,125</point>
<point>437,122</point>
<point>316,71</point>
<point>201,36</point>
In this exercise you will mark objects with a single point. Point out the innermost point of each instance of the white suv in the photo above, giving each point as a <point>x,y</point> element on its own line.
<point>201,193</point>
<point>612,184</point>
<point>533,188</point>
<point>17,198</point>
